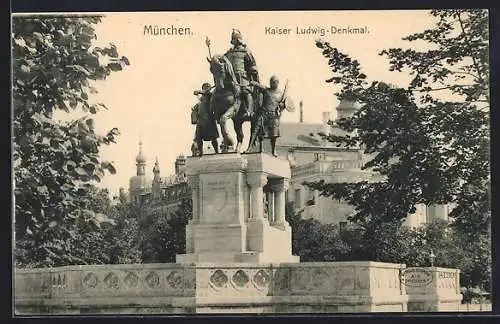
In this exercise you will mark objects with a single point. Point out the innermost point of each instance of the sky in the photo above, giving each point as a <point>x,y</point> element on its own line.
<point>152,98</point>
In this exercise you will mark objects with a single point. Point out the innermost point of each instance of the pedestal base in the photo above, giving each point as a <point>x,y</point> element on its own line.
<point>229,224</point>
<point>244,257</point>
<point>257,241</point>
<point>273,242</point>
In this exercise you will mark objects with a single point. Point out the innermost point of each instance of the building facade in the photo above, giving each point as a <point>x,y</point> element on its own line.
<point>313,158</point>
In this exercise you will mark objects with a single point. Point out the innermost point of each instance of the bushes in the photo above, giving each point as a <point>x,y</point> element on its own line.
<point>314,241</point>
<point>163,235</point>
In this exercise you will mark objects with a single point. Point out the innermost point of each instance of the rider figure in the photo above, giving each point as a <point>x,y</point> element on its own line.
<point>245,69</point>
<point>203,117</point>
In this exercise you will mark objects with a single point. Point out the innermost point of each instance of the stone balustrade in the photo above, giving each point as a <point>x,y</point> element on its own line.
<point>125,288</point>
<point>320,287</point>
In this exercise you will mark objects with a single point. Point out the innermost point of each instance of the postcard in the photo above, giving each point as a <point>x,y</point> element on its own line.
<point>265,162</point>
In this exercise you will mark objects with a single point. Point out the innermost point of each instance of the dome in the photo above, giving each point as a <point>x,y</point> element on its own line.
<point>140,157</point>
<point>347,108</point>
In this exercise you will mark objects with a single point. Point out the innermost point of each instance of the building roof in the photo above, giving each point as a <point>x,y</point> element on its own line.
<point>305,134</point>
<point>173,180</point>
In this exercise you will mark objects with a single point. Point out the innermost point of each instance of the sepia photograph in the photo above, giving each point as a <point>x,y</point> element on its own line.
<point>251,162</point>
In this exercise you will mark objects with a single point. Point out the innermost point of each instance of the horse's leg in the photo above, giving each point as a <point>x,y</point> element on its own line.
<point>253,134</point>
<point>251,143</point>
<point>225,134</point>
<point>223,144</point>
<point>224,141</point>
<point>238,128</point>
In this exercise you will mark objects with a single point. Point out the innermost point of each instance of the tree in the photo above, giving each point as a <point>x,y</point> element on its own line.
<point>55,163</point>
<point>176,236</point>
<point>164,234</point>
<point>291,216</point>
<point>123,237</point>
<point>314,241</point>
<point>428,141</point>
<point>458,66</point>
<point>88,244</point>
<point>101,234</point>
<point>447,243</point>
<point>427,150</point>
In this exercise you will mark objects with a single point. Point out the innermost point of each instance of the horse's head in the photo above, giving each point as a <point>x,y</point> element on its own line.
<point>218,67</point>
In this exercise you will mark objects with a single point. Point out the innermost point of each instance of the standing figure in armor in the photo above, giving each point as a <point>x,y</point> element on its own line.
<point>267,117</point>
<point>245,69</point>
<point>203,116</point>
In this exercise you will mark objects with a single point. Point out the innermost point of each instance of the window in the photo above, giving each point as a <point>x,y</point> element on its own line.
<point>287,198</point>
<point>319,156</point>
<point>342,226</point>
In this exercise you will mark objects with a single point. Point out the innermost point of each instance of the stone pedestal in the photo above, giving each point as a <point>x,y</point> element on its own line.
<point>229,220</point>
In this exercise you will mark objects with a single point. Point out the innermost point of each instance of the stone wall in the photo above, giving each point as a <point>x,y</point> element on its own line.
<point>318,287</point>
<point>135,288</point>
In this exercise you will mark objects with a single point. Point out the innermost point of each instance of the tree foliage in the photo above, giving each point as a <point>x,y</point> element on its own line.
<point>457,61</point>
<point>122,238</point>
<point>103,233</point>
<point>315,241</point>
<point>429,141</point>
<point>163,235</point>
<point>55,163</point>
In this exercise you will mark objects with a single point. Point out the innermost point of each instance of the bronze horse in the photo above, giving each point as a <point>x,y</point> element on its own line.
<point>226,101</point>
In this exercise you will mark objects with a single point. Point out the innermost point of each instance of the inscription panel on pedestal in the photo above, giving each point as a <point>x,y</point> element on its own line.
<point>219,198</point>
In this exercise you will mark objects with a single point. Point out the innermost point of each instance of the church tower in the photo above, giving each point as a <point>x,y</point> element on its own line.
<point>140,182</point>
<point>140,162</point>
<point>156,187</point>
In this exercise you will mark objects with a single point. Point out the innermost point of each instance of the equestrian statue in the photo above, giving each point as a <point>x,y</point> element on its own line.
<point>237,96</point>
<point>234,97</point>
